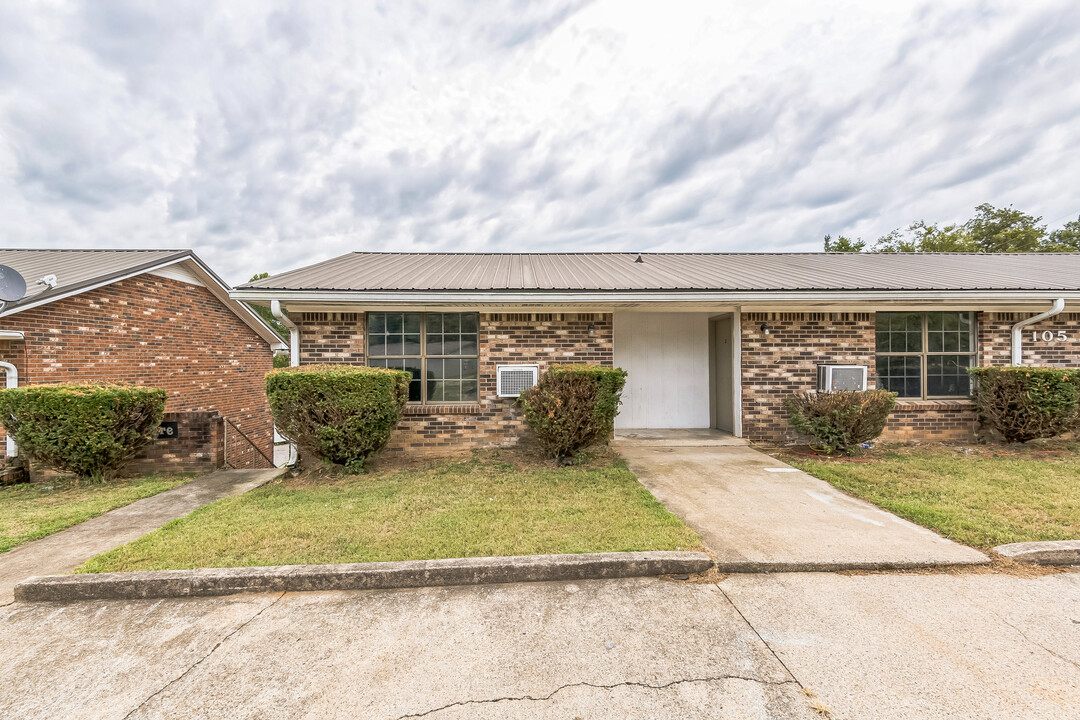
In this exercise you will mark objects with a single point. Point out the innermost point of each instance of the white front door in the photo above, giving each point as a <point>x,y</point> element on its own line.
<point>666,356</point>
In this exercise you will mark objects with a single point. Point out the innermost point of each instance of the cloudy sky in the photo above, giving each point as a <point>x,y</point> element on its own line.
<point>272,135</point>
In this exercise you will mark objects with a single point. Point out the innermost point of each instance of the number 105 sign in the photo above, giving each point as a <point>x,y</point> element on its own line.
<point>1049,336</point>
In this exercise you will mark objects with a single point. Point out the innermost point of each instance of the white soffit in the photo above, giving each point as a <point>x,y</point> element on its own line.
<point>179,272</point>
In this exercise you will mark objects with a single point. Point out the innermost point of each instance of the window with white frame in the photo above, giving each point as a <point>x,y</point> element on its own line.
<point>439,349</point>
<point>925,354</point>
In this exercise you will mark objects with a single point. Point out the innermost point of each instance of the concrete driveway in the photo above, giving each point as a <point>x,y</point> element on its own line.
<point>757,513</point>
<point>975,645</point>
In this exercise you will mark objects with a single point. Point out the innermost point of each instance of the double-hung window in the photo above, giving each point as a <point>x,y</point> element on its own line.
<point>925,354</point>
<point>439,349</point>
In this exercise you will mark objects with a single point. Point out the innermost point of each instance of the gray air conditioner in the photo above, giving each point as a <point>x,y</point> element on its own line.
<point>512,380</point>
<point>831,378</point>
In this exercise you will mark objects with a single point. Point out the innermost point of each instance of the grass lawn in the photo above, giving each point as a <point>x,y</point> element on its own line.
<point>979,496</point>
<point>485,506</point>
<point>34,510</point>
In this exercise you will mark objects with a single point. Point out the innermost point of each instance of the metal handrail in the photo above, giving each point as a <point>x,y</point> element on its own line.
<point>250,442</point>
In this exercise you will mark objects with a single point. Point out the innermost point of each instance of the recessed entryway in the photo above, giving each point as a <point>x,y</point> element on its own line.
<point>680,370</point>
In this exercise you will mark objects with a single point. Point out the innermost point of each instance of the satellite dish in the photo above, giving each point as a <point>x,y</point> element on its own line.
<point>12,284</point>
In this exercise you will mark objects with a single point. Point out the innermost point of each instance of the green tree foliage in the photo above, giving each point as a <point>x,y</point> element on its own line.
<point>340,413</point>
<point>991,230</point>
<point>573,406</point>
<point>1067,237</point>
<point>843,244</point>
<point>264,312</point>
<point>1024,403</point>
<point>840,422</point>
<point>89,430</point>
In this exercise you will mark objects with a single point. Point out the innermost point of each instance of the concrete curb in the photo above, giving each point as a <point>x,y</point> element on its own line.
<point>357,576</point>
<point>1051,552</point>
<point>753,567</point>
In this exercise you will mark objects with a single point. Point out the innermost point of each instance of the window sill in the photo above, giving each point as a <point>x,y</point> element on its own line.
<point>451,409</point>
<point>951,404</point>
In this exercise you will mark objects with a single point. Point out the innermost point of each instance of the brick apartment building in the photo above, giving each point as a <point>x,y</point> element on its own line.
<point>709,340</point>
<point>158,318</point>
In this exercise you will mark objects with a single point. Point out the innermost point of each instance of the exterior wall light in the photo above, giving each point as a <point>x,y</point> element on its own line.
<point>592,329</point>
<point>765,329</point>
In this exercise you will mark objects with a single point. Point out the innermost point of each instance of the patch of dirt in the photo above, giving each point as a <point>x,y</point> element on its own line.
<point>999,565</point>
<point>524,456</point>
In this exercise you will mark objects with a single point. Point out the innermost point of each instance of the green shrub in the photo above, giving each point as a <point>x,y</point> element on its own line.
<point>573,406</point>
<point>840,421</point>
<point>281,361</point>
<point>1024,403</point>
<point>341,413</point>
<point>89,430</point>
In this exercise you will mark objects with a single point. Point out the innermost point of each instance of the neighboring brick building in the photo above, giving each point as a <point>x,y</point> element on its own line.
<point>155,318</point>
<point>709,340</point>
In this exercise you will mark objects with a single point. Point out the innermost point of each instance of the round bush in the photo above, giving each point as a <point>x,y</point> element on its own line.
<point>573,406</point>
<point>1025,403</point>
<point>89,430</point>
<point>841,421</point>
<point>341,413</point>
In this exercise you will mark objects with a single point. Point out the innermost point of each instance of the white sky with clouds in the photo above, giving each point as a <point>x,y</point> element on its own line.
<point>272,135</point>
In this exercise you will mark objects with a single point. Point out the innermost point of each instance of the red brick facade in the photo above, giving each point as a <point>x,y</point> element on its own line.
<point>995,340</point>
<point>154,331</point>
<point>785,362</point>
<point>503,338</point>
<point>774,366</point>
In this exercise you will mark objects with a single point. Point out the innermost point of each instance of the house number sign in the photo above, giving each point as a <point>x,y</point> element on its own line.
<point>168,430</point>
<point>1049,336</point>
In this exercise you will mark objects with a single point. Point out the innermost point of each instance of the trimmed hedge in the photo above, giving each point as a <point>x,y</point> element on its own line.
<point>840,421</point>
<point>573,406</point>
<point>341,413</point>
<point>89,430</point>
<point>1025,403</point>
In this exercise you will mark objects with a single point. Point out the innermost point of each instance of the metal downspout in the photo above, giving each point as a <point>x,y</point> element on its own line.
<point>12,382</point>
<point>294,332</point>
<point>1018,329</point>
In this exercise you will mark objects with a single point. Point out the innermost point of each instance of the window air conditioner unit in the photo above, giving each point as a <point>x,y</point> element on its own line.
<point>512,380</point>
<point>831,378</point>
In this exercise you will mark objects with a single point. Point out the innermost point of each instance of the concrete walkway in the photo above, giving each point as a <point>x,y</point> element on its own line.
<point>759,514</point>
<point>68,549</point>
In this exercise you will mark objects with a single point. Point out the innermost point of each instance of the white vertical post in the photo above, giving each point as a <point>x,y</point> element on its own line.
<point>736,371</point>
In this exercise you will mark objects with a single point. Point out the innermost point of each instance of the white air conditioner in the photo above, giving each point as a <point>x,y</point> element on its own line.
<point>831,378</point>
<point>512,380</point>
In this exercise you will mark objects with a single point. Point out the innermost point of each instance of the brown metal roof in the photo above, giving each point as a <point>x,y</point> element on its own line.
<point>77,269</point>
<point>587,272</point>
<point>80,270</point>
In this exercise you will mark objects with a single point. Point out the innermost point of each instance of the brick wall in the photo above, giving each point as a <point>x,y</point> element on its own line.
<point>785,362</point>
<point>197,447</point>
<point>336,338</point>
<point>155,331</point>
<point>931,421</point>
<point>503,338</point>
<point>995,340</point>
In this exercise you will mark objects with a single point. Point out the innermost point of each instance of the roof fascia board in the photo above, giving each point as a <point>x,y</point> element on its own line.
<point>605,297</point>
<point>222,292</point>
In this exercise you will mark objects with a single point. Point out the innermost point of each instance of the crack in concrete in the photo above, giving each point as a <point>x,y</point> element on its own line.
<point>627,683</point>
<point>763,641</point>
<point>198,662</point>
<point>1036,643</point>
